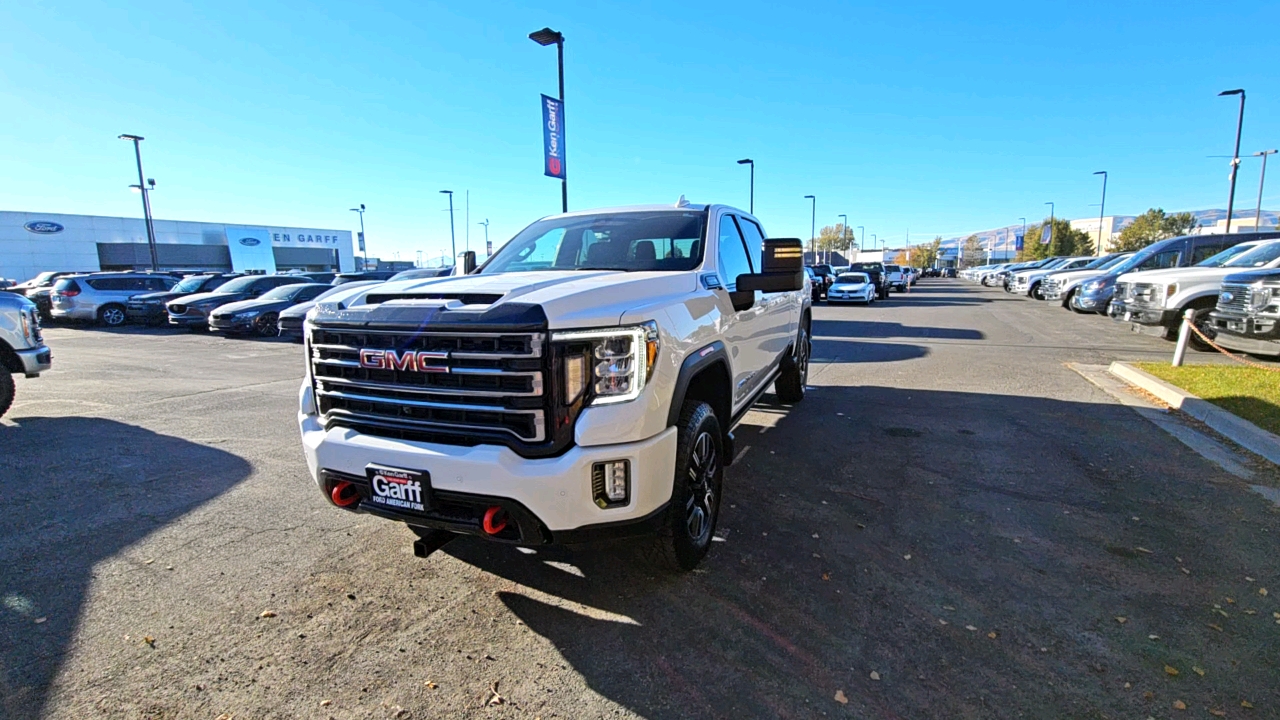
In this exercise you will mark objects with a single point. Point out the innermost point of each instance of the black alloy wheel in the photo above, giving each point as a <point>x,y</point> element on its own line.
<point>685,536</point>
<point>265,325</point>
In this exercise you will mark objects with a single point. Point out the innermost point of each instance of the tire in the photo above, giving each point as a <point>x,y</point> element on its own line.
<point>1206,326</point>
<point>265,325</point>
<point>112,316</point>
<point>7,390</point>
<point>1035,292</point>
<point>685,536</point>
<point>1066,301</point>
<point>795,370</point>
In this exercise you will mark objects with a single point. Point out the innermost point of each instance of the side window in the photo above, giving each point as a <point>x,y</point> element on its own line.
<point>106,284</point>
<point>156,284</point>
<point>1166,259</point>
<point>755,241</point>
<point>310,293</point>
<point>733,254</point>
<point>1203,250</point>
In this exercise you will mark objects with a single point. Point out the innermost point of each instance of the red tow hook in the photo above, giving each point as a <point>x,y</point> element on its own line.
<point>344,494</point>
<point>492,524</point>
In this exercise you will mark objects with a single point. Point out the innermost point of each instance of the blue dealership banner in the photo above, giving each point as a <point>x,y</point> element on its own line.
<point>1018,242</point>
<point>553,137</point>
<point>1046,234</point>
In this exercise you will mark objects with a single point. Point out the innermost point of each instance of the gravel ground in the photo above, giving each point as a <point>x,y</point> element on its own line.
<point>952,524</point>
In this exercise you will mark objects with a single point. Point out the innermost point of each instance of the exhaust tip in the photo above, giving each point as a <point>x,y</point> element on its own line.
<point>344,494</point>
<point>495,520</point>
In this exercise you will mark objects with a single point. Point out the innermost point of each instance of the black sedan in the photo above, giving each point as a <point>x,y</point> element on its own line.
<point>258,316</point>
<point>291,319</point>
<point>193,311</point>
<point>149,307</point>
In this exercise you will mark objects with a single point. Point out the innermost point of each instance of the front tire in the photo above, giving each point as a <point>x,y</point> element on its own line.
<point>265,325</point>
<point>795,370</point>
<point>7,390</point>
<point>685,537</point>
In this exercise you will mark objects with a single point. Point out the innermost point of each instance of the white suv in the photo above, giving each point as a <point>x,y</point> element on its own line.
<point>582,384</point>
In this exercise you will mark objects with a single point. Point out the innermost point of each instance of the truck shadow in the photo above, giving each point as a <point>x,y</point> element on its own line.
<point>857,329</point>
<point>79,490</point>
<point>918,554</point>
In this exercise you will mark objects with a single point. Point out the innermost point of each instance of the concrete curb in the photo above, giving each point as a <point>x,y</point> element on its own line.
<point>1236,429</point>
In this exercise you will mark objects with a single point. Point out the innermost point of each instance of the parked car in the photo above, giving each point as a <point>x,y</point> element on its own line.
<point>1063,285</point>
<point>149,308</point>
<point>259,315</point>
<point>894,278</point>
<point>1155,300</point>
<point>37,290</point>
<point>875,271</point>
<point>22,349</point>
<point>852,287</point>
<point>825,278</point>
<point>324,278</point>
<point>949,272</point>
<point>343,278</point>
<point>193,311</point>
<point>1095,295</point>
<point>422,273</point>
<point>290,322</point>
<point>1247,315</point>
<point>103,297</point>
<point>1027,282</point>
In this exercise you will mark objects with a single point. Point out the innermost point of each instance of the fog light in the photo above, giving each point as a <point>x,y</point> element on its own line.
<point>611,483</point>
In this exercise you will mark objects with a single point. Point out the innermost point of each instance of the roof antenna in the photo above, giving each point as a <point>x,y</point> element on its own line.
<point>682,202</point>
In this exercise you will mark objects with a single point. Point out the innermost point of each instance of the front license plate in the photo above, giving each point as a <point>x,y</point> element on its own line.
<point>1127,316</point>
<point>399,489</point>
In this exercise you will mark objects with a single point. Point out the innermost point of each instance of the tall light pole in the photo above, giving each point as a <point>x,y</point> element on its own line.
<point>1235,157</point>
<point>1103,209</point>
<point>752,163</point>
<point>862,245</point>
<point>1257,223</point>
<point>453,241</point>
<point>364,246</point>
<point>488,249</point>
<point>844,230</point>
<point>146,199</point>
<point>873,240</point>
<point>544,37</point>
<point>1051,228</point>
<point>813,220</point>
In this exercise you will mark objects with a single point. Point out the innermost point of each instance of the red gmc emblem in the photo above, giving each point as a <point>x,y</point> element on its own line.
<point>426,362</point>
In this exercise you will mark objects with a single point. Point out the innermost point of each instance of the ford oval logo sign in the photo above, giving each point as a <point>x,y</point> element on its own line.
<point>1226,297</point>
<point>43,227</point>
<point>250,242</point>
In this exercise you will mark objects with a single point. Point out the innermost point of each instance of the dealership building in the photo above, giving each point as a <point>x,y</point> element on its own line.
<point>34,242</point>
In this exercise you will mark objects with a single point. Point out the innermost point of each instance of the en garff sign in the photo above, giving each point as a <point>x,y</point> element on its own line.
<point>553,137</point>
<point>304,237</point>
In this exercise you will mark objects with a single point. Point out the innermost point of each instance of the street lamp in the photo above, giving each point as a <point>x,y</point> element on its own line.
<point>488,249</point>
<point>863,244</point>
<point>1235,157</point>
<point>813,219</point>
<point>873,240</point>
<point>364,248</point>
<point>544,37</point>
<point>1103,209</point>
<point>453,242</point>
<point>752,163</point>
<point>1257,223</point>
<point>844,230</point>
<point>146,198</point>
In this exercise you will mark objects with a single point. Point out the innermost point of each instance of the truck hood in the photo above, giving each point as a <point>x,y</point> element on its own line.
<point>1248,277</point>
<point>1183,275</point>
<point>1072,276</point>
<point>569,299</point>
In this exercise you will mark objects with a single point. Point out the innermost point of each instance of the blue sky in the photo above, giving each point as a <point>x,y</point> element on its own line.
<point>938,118</point>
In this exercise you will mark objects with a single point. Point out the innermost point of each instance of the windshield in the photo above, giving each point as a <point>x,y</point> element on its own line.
<point>873,267</point>
<point>1113,262</point>
<point>1256,256</point>
<point>239,285</point>
<point>852,278</point>
<point>190,284</point>
<point>1138,258</point>
<point>284,292</point>
<point>627,241</point>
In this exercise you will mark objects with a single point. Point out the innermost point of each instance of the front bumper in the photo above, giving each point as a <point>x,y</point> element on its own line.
<point>145,312</point>
<point>1094,302</point>
<point>1246,327</point>
<point>1143,315</point>
<point>223,323</point>
<point>551,499</point>
<point>35,360</point>
<point>291,328</point>
<point>191,318</point>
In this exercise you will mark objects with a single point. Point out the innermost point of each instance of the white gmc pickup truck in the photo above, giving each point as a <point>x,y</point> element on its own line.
<point>582,384</point>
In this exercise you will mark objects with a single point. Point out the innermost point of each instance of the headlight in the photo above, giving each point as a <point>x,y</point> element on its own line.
<point>248,314</point>
<point>30,327</point>
<point>613,364</point>
<point>1260,297</point>
<point>1091,286</point>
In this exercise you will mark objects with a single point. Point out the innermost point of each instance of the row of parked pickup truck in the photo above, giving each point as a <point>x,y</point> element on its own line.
<point>1231,282</point>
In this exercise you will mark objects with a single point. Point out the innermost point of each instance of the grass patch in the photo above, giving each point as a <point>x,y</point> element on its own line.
<point>1248,392</point>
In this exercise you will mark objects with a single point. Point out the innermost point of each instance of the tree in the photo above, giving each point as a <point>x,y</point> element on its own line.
<point>972,254</point>
<point>836,238</point>
<point>1153,226</point>
<point>901,258</point>
<point>1064,240</point>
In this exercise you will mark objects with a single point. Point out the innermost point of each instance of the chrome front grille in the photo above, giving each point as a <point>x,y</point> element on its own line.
<point>432,384</point>
<point>1240,298</point>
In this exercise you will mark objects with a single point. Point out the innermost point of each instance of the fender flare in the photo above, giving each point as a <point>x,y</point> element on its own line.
<point>697,361</point>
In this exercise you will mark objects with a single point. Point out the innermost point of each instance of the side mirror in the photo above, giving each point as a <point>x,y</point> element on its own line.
<point>468,261</point>
<point>781,271</point>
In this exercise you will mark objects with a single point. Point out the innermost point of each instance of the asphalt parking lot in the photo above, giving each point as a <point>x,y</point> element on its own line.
<point>952,524</point>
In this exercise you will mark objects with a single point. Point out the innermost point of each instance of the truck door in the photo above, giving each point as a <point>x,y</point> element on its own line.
<point>744,330</point>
